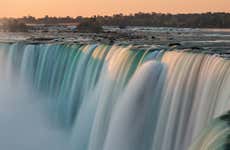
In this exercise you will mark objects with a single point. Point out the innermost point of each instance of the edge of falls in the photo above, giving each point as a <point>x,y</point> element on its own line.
<point>109,97</point>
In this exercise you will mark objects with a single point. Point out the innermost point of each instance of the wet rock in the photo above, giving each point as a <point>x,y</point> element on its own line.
<point>42,39</point>
<point>196,48</point>
<point>174,44</point>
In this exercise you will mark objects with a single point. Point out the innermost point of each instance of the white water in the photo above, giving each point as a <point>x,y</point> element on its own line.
<point>132,125</point>
<point>99,97</point>
<point>24,124</point>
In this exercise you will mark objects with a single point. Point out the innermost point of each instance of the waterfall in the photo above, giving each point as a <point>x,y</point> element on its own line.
<point>110,97</point>
<point>214,136</point>
<point>132,125</point>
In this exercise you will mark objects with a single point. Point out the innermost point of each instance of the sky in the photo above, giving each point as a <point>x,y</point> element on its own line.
<point>40,8</point>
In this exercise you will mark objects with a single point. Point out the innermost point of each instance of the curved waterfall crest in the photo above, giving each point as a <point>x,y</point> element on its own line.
<point>110,97</point>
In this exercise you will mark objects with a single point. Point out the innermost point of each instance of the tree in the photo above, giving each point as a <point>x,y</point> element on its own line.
<point>90,25</point>
<point>14,26</point>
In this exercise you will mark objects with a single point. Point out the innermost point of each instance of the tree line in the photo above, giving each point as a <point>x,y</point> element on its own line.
<point>204,20</point>
<point>195,20</point>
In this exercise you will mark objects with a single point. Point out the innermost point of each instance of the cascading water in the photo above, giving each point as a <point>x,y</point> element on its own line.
<point>215,136</point>
<point>100,97</point>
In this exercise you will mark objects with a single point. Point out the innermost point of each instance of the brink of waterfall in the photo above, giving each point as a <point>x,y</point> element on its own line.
<point>112,97</point>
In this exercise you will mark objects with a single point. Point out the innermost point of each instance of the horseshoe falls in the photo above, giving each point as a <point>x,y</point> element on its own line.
<point>112,97</point>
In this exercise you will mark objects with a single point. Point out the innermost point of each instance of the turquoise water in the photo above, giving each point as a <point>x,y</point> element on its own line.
<point>101,97</point>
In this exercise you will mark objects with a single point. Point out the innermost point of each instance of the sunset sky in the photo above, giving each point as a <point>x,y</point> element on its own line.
<point>39,8</point>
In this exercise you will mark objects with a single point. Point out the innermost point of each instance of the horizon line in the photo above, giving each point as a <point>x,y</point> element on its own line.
<point>110,15</point>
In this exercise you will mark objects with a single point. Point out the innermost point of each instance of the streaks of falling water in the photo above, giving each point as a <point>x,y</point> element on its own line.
<point>113,97</point>
<point>215,136</point>
<point>132,125</point>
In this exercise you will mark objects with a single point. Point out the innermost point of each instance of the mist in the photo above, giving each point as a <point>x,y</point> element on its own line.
<point>24,121</point>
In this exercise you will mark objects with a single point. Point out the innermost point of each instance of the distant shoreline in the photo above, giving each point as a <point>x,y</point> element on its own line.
<point>194,20</point>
